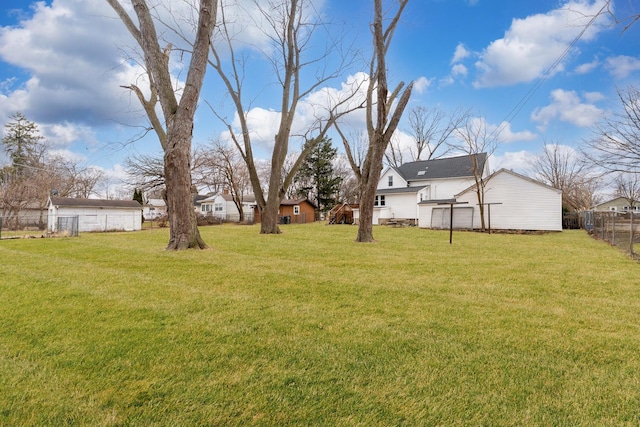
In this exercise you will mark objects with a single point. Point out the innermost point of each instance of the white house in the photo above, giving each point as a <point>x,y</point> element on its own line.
<point>513,202</point>
<point>94,214</point>
<point>401,190</point>
<point>154,208</point>
<point>221,205</point>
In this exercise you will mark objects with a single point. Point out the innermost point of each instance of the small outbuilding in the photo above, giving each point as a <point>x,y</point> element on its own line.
<point>94,214</point>
<point>293,211</point>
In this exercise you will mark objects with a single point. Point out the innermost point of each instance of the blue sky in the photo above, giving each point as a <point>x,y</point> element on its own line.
<point>61,64</point>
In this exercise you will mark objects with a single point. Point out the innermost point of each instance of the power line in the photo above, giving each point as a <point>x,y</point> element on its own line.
<point>545,76</point>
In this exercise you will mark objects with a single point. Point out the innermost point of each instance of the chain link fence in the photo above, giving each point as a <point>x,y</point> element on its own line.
<point>620,229</point>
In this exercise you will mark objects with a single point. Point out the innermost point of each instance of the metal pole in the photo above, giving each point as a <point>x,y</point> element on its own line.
<point>451,225</point>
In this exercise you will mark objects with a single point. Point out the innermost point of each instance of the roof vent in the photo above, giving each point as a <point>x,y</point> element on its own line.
<point>421,172</point>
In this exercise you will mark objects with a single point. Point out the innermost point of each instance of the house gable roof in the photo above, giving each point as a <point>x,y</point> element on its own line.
<point>452,167</point>
<point>615,201</point>
<point>93,203</point>
<point>503,170</point>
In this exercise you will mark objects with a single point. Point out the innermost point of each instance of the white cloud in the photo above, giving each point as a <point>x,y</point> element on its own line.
<point>502,132</point>
<point>621,66</point>
<point>65,134</point>
<point>263,124</point>
<point>518,161</point>
<point>586,68</point>
<point>567,106</point>
<point>460,53</point>
<point>506,135</point>
<point>532,45</point>
<point>459,70</point>
<point>422,84</point>
<point>75,71</point>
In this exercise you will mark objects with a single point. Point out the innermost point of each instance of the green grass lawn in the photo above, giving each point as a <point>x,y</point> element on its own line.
<point>311,328</point>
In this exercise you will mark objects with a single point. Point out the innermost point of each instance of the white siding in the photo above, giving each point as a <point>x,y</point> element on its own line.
<point>398,181</point>
<point>526,205</point>
<point>98,219</point>
<point>400,206</point>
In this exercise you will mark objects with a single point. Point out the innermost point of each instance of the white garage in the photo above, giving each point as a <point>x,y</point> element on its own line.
<point>84,215</point>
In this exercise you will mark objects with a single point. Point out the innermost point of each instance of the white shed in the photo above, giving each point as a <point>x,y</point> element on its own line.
<point>517,203</point>
<point>95,214</point>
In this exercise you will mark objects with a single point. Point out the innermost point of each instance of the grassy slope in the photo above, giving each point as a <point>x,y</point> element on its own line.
<point>311,328</point>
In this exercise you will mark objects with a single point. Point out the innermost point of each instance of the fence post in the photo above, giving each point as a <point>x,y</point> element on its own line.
<point>613,228</point>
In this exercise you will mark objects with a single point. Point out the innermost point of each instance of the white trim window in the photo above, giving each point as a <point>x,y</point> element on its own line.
<point>390,180</point>
<point>296,210</point>
<point>218,207</point>
<point>379,201</point>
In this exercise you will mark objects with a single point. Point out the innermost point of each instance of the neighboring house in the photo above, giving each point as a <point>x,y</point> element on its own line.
<point>401,189</point>
<point>516,202</point>
<point>95,214</point>
<point>221,205</point>
<point>298,211</point>
<point>619,204</point>
<point>154,208</point>
<point>197,201</point>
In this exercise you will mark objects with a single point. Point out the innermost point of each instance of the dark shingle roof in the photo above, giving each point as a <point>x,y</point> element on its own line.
<point>408,190</point>
<point>452,167</point>
<point>94,203</point>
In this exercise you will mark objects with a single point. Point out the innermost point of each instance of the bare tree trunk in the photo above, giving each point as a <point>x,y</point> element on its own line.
<point>183,228</point>
<point>382,124</point>
<point>365,223</point>
<point>178,114</point>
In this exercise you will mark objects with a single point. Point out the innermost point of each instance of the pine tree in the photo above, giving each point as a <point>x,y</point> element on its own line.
<point>23,143</point>
<point>317,180</point>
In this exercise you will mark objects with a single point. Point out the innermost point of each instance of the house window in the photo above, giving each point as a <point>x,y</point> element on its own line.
<point>612,208</point>
<point>379,201</point>
<point>391,181</point>
<point>218,207</point>
<point>296,210</point>
<point>205,208</point>
<point>625,208</point>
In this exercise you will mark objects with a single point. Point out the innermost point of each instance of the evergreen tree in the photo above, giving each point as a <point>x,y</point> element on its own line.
<point>23,143</point>
<point>316,179</point>
<point>137,196</point>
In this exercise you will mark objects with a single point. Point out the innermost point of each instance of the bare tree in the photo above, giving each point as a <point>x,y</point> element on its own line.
<point>383,113</point>
<point>560,167</point>
<point>625,17</point>
<point>145,172</point>
<point>225,164</point>
<point>615,146</point>
<point>628,187</point>
<point>431,130</point>
<point>175,129</point>
<point>475,139</point>
<point>348,191</point>
<point>289,26</point>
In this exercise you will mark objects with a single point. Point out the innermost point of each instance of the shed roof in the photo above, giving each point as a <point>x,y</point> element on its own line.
<point>452,167</point>
<point>94,203</point>
<point>293,202</point>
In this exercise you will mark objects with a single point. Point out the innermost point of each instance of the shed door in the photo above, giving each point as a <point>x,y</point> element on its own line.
<point>462,217</point>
